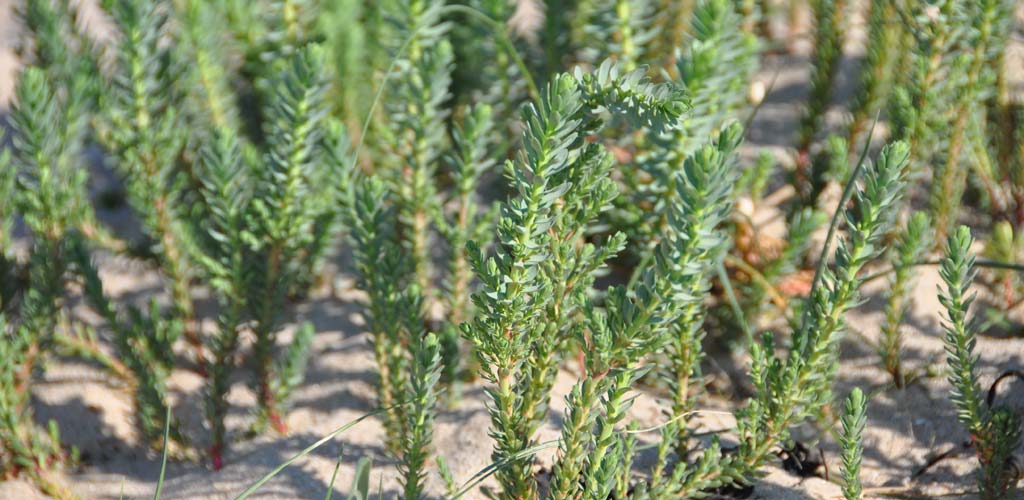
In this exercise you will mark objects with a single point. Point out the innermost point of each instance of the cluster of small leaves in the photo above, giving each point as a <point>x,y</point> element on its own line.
<point>854,417</point>
<point>223,259</point>
<point>829,33</point>
<point>631,94</point>
<point>414,137</point>
<point>43,186</point>
<point>975,64</point>
<point>995,430</point>
<point>623,30</point>
<point>421,397</point>
<point>661,314</point>
<point>24,446</point>
<point>471,159</point>
<point>140,126</point>
<point>8,207</point>
<point>512,300</point>
<point>485,71</point>
<point>885,42</point>
<point>293,207</point>
<point>408,356</point>
<point>714,69</point>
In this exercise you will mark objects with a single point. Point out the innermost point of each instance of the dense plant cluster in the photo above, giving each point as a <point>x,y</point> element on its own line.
<point>515,193</point>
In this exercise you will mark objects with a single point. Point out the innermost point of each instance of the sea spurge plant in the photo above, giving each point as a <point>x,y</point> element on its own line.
<point>715,67</point>
<point>795,387</point>
<point>540,271</point>
<point>140,126</point>
<point>922,105</point>
<point>485,70</point>
<point>414,137</point>
<point>292,207</point>
<point>24,446</point>
<point>513,293</point>
<point>225,196</point>
<point>885,41</point>
<point>20,353</point>
<point>704,201</point>
<point>622,30</point>
<point>67,57</point>
<point>409,363</point>
<point>45,185</point>
<point>465,222</point>
<point>8,264</point>
<point>632,96</point>
<point>48,189</point>
<point>949,173</point>
<point>210,99</point>
<point>421,394</point>
<point>662,313</point>
<point>995,430</point>
<point>143,339</point>
<point>829,34</point>
<point>383,272</point>
<point>50,192</point>
<point>853,419</point>
<point>912,245</point>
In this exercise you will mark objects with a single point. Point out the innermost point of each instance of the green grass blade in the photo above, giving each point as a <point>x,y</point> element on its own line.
<point>334,475</point>
<point>277,470</point>
<point>495,466</point>
<point>163,460</point>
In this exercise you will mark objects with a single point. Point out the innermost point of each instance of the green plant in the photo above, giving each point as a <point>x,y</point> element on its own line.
<point>877,75</point>
<point>8,208</point>
<point>232,125</point>
<point>48,191</point>
<point>949,173</point>
<point>854,416</point>
<point>242,217</point>
<point>995,431</point>
<point>790,389</point>
<point>704,202</point>
<point>829,35</point>
<point>293,209</point>
<point>414,137</point>
<point>408,358</point>
<point>619,29</point>
<point>24,446</point>
<point>421,394</point>
<point>714,68</point>
<point>383,271</point>
<point>465,222</point>
<point>50,194</point>
<point>140,125</point>
<point>913,244</point>
<point>531,288</point>
<point>143,340</point>
<point>226,198</point>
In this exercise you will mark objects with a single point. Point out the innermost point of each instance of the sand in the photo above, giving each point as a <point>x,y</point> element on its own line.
<point>905,427</point>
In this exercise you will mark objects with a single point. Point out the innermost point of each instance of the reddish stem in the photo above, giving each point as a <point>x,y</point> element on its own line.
<point>216,456</point>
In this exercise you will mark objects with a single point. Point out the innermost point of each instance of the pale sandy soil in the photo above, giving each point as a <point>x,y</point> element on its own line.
<point>905,427</point>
